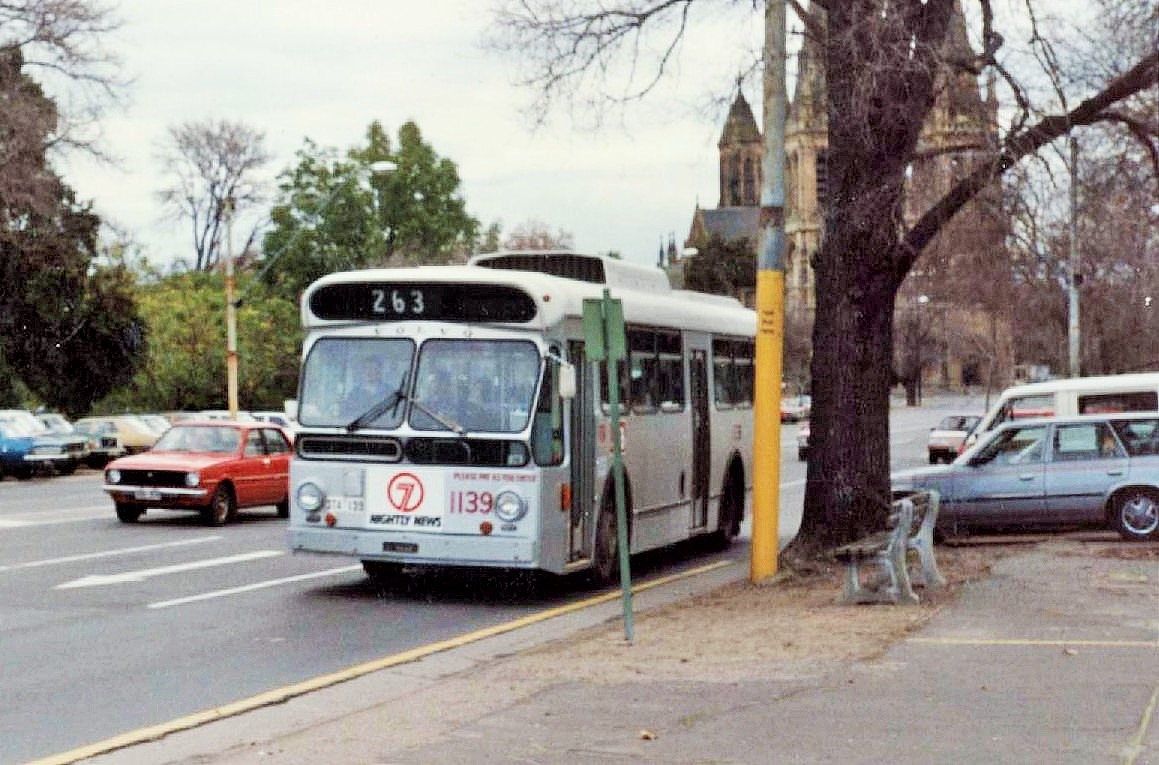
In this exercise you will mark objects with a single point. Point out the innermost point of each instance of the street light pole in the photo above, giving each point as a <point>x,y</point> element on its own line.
<point>230,314</point>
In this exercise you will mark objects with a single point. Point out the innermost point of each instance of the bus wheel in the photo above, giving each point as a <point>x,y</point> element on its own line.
<point>728,526</point>
<point>127,513</point>
<point>606,555</point>
<point>382,573</point>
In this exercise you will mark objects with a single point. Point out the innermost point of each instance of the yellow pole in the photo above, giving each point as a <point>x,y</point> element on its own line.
<point>770,306</point>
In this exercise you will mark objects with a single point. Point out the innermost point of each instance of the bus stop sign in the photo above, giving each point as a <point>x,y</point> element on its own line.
<point>604,329</point>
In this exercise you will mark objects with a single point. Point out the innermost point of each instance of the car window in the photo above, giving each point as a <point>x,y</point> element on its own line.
<point>276,443</point>
<point>1013,446</point>
<point>1085,441</point>
<point>1139,436</point>
<point>253,444</point>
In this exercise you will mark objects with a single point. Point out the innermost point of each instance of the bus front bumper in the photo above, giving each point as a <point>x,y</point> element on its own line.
<point>418,549</point>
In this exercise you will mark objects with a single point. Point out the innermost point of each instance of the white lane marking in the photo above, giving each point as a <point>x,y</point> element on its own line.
<point>99,580</point>
<point>70,515</point>
<point>255,586</point>
<point>109,553</point>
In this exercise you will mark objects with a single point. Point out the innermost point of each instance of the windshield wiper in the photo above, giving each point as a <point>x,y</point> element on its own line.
<point>390,403</point>
<point>443,419</point>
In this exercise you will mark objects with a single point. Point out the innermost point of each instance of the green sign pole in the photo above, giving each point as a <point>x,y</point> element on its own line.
<point>604,340</point>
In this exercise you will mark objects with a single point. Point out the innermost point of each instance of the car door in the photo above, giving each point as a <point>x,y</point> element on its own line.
<point>277,464</point>
<point>1004,483</point>
<point>251,471</point>
<point>1086,461</point>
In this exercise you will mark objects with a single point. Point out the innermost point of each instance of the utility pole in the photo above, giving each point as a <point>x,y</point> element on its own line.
<point>770,305</point>
<point>230,314</point>
<point>1076,278</point>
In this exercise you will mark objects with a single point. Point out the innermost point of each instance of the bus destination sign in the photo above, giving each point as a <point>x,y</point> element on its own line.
<point>435,301</point>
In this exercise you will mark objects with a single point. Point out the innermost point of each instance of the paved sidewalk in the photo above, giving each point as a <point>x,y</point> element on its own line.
<point>1052,659</point>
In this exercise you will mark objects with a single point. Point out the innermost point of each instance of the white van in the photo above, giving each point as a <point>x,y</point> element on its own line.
<point>1137,392</point>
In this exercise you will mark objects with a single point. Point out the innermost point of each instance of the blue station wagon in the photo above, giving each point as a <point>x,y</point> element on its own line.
<point>1088,470</point>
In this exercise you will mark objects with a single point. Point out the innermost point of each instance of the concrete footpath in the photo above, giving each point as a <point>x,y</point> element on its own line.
<point>1054,658</point>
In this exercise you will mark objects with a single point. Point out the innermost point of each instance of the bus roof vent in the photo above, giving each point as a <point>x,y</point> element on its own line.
<point>596,269</point>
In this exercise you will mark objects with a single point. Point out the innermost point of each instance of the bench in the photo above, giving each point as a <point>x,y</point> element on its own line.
<point>910,527</point>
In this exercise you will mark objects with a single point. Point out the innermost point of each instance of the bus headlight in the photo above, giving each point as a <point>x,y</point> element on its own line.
<point>310,497</point>
<point>509,506</point>
<point>192,479</point>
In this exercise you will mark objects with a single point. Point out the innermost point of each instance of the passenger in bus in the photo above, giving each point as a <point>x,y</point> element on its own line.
<point>365,392</point>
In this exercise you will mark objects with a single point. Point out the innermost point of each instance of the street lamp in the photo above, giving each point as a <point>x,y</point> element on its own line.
<point>232,302</point>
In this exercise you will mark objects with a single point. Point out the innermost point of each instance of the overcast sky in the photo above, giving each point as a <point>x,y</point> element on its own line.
<point>299,68</point>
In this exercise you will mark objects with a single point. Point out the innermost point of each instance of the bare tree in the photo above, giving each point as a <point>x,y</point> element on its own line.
<point>55,81</point>
<point>537,235</point>
<point>214,167</point>
<point>881,61</point>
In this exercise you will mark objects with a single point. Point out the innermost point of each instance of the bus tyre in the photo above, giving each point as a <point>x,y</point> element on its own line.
<point>606,554</point>
<point>728,525</point>
<point>221,507</point>
<point>382,573</point>
<point>1135,514</point>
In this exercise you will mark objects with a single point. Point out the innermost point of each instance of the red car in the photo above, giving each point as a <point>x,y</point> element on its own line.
<point>213,467</point>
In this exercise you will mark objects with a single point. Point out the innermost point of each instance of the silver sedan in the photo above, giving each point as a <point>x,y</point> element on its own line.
<point>1090,470</point>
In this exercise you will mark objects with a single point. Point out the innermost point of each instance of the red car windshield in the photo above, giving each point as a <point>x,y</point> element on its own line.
<point>199,438</point>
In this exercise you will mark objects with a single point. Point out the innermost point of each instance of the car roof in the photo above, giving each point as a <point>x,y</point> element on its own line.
<point>1079,418</point>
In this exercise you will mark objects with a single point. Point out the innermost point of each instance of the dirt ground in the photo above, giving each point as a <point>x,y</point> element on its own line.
<point>790,626</point>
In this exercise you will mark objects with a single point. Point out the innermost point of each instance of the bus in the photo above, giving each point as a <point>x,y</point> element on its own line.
<point>487,441</point>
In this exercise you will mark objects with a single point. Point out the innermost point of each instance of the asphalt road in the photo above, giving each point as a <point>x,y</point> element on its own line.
<point>107,627</point>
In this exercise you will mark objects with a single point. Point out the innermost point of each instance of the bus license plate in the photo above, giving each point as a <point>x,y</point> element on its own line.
<point>344,504</point>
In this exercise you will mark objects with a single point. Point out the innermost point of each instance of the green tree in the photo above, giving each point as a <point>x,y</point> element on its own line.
<point>722,266</point>
<point>185,362</point>
<point>68,329</point>
<point>337,213</point>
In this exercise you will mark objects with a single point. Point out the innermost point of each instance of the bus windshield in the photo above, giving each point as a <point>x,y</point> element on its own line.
<point>475,385</point>
<point>344,378</point>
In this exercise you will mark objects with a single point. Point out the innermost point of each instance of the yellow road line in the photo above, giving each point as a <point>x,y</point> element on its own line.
<point>1031,642</point>
<point>285,693</point>
<point>1135,745</point>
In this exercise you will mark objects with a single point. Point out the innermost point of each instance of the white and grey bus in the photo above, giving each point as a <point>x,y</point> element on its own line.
<point>486,439</point>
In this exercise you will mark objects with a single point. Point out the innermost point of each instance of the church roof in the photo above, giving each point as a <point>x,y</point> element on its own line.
<point>740,127</point>
<point>732,222</point>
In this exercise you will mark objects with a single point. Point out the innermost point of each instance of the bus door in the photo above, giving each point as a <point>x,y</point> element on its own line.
<point>582,448</point>
<point>701,454</point>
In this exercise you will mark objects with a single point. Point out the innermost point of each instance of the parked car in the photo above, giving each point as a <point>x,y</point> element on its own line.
<point>803,440</point>
<point>1085,470</point>
<point>133,433</point>
<point>73,446</point>
<point>214,467</point>
<point>795,408</point>
<point>947,437</point>
<point>25,450</point>
<point>104,445</point>
<point>159,423</point>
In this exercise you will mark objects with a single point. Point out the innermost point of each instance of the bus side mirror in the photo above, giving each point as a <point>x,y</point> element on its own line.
<point>567,382</point>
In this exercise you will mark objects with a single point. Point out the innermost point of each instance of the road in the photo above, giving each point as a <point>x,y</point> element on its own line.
<point>107,627</point>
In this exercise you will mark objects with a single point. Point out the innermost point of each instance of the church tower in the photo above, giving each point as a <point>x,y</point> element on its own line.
<point>740,156</point>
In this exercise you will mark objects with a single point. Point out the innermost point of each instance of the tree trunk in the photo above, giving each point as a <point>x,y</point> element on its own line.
<point>878,98</point>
